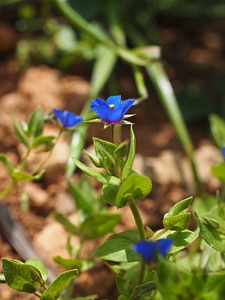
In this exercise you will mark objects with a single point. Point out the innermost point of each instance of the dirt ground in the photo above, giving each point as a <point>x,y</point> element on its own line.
<point>159,153</point>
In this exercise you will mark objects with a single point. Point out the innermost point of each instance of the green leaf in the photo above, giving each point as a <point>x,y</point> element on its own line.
<point>69,263</point>
<point>20,133</point>
<point>19,175</point>
<point>6,162</point>
<point>99,224</point>
<point>212,228</point>
<point>173,281</point>
<point>142,289</point>
<point>81,201</point>
<point>180,206</point>
<point>127,283</point>
<point>127,279</point>
<point>38,265</point>
<point>118,247</point>
<point>59,284</point>
<point>65,38</point>
<point>123,286</point>
<point>181,239</point>
<point>63,219</point>
<point>19,276</point>
<point>35,123</point>
<point>105,153</point>
<point>110,192</point>
<point>93,158</point>
<point>99,176</point>
<point>120,154</point>
<point>44,143</point>
<point>38,175</point>
<point>177,217</point>
<point>179,222</point>
<point>219,171</point>
<point>129,163</point>
<point>166,95</point>
<point>102,69</point>
<point>215,282</point>
<point>205,203</point>
<point>122,297</point>
<point>217,128</point>
<point>135,187</point>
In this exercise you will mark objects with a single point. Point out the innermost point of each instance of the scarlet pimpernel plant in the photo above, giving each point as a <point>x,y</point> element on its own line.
<point>141,251</point>
<point>149,264</point>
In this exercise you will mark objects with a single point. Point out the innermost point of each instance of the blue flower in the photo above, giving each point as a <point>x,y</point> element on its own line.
<point>66,119</point>
<point>149,250</point>
<point>112,110</point>
<point>223,151</point>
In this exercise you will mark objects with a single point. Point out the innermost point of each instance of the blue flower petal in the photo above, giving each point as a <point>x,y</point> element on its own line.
<point>150,249</point>
<point>100,110</point>
<point>223,150</point>
<point>58,113</point>
<point>114,116</point>
<point>112,110</point>
<point>164,246</point>
<point>71,119</point>
<point>67,119</point>
<point>99,101</point>
<point>146,249</point>
<point>126,105</point>
<point>115,100</point>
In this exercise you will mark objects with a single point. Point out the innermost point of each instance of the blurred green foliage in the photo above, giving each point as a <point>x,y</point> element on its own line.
<point>48,38</point>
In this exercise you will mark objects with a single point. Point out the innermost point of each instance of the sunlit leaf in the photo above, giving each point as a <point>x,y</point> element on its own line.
<point>99,176</point>
<point>38,265</point>
<point>129,163</point>
<point>19,275</point>
<point>118,247</point>
<point>63,219</point>
<point>134,187</point>
<point>4,159</point>
<point>81,201</point>
<point>20,133</point>
<point>59,284</point>
<point>212,228</point>
<point>97,225</point>
<point>105,153</point>
<point>36,123</point>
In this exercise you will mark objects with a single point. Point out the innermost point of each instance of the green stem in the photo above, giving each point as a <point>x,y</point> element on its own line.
<point>141,230</point>
<point>116,133</point>
<point>138,219</point>
<point>158,234</point>
<point>7,190</point>
<point>72,16</point>
<point>38,169</point>
<point>168,99</point>
<point>68,291</point>
<point>24,161</point>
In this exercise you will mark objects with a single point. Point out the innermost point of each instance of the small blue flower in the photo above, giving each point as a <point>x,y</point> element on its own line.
<point>150,249</point>
<point>66,119</point>
<point>112,110</point>
<point>223,151</point>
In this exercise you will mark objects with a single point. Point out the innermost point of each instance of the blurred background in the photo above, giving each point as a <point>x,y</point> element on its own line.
<point>189,33</point>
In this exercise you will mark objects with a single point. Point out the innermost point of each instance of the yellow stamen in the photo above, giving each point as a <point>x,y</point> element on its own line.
<point>111,106</point>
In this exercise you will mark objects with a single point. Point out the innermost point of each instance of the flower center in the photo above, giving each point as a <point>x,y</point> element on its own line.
<point>111,106</point>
